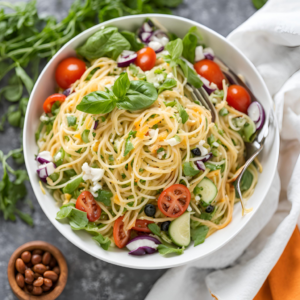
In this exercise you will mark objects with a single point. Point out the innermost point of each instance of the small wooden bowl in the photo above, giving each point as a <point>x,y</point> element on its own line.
<point>62,279</point>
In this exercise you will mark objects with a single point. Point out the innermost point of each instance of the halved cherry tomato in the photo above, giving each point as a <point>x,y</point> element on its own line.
<point>142,225</point>
<point>210,71</point>
<point>86,202</point>
<point>51,100</point>
<point>68,71</point>
<point>121,236</point>
<point>146,59</point>
<point>174,201</point>
<point>238,98</point>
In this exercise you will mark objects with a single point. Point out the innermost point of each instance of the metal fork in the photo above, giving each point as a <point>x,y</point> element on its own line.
<point>252,149</point>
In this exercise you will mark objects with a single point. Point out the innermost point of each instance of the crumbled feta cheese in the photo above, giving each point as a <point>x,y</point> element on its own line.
<point>164,40</point>
<point>197,198</point>
<point>156,85</point>
<point>209,51</point>
<point>189,208</point>
<point>40,144</point>
<point>199,53</point>
<point>174,141</point>
<point>215,144</point>
<point>44,118</point>
<point>203,150</point>
<point>161,154</point>
<point>45,155</point>
<point>170,75</point>
<point>152,132</point>
<point>160,77</point>
<point>155,45</point>
<point>111,140</point>
<point>141,243</point>
<point>95,188</point>
<point>213,85</point>
<point>93,174</point>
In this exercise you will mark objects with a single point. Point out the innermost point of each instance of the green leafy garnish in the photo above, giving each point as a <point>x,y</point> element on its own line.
<point>190,42</point>
<point>245,184</point>
<point>104,197</point>
<point>132,39</point>
<point>164,250</point>
<point>223,112</point>
<point>189,170</point>
<point>168,84</point>
<point>182,113</point>
<point>199,234</point>
<point>155,229</point>
<point>85,136</point>
<point>72,185</point>
<point>104,242</point>
<point>71,120</point>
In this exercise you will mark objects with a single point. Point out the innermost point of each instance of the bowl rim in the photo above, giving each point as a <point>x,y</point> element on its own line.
<point>61,261</point>
<point>140,265</point>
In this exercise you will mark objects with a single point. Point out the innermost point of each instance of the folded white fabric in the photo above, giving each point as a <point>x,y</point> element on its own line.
<point>271,40</point>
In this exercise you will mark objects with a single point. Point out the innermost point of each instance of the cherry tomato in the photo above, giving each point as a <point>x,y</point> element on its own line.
<point>238,98</point>
<point>146,59</point>
<point>86,202</point>
<point>142,225</point>
<point>121,236</point>
<point>68,71</point>
<point>174,201</point>
<point>210,71</point>
<point>51,100</point>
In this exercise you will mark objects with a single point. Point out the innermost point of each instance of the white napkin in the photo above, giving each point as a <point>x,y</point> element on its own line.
<point>271,40</point>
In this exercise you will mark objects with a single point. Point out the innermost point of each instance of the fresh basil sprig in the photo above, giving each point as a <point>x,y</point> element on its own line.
<point>125,94</point>
<point>190,42</point>
<point>175,48</point>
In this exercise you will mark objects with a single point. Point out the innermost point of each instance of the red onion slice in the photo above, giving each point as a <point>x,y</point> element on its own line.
<point>46,170</point>
<point>44,157</point>
<point>67,92</point>
<point>145,36</point>
<point>96,125</point>
<point>156,46</point>
<point>255,111</point>
<point>207,85</point>
<point>209,56</point>
<point>126,58</point>
<point>206,157</point>
<point>200,165</point>
<point>147,26</point>
<point>142,251</point>
<point>143,237</point>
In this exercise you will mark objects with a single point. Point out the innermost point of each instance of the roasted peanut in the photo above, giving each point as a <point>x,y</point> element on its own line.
<point>39,282</point>
<point>26,256</point>
<point>20,266</point>
<point>56,270</point>
<point>36,275</point>
<point>48,282</point>
<point>20,280</point>
<point>36,259</point>
<point>46,288</point>
<point>47,258</point>
<point>51,275</point>
<point>29,276</point>
<point>37,290</point>
<point>29,287</point>
<point>37,251</point>
<point>39,268</point>
<point>52,263</point>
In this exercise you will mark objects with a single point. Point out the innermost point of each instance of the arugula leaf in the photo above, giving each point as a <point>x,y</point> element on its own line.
<point>121,86</point>
<point>168,84</point>
<point>104,197</point>
<point>97,103</point>
<point>182,113</point>
<point>190,74</point>
<point>72,185</point>
<point>132,39</point>
<point>104,242</point>
<point>140,95</point>
<point>189,170</point>
<point>71,120</point>
<point>164,250</point>
<point>107,42</point>
<point>246,182</point>
<point>199,234</point>
<point>155,229</point>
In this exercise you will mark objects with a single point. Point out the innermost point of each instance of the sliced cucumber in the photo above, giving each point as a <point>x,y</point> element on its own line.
<point>179,230</point>
<point>207,190</point>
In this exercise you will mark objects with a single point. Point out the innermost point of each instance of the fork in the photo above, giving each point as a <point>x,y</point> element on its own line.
<point>252,149</point>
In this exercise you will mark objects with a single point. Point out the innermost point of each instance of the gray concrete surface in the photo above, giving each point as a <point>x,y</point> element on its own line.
<point>90,278</point>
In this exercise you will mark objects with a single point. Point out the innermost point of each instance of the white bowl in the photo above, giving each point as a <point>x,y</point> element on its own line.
<point>45,86</point>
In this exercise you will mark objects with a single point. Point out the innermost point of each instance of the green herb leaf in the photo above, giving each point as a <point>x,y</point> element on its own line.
<point>182,113</point>
<point>212,167</point>
<point>133,69</point>
<point>190,74</point>
<point>140,95</point>
<point>245,184</point>
<point>259,3</point>
<point>97,103</point>
<point>121,86</point>
<point>223,112</point>
<point>71,120</point>
<point>72,185</point>
<point>85,136</point>
<point>168,84</point>
<point>164,250</point>
<point>189,41</point>
<point>175,48</point>
<point>25,78</point>
<point>104,197</point>
<point>104,242</point>
<point>107,42</point>
<point>128,146</point>
<point>199,234</point>
<point>155,229</point>
<point>132,39</point>
<point>189,170</point>
<point>59,157</point>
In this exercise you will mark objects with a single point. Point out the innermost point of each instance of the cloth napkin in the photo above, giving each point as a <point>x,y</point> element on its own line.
<point>271,40</point>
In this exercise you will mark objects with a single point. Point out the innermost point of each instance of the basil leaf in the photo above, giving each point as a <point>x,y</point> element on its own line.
<point>85,136</point>
<point>190,42</point>
<point>140,95</point>
<point>168,84</point>
<point>107,42</point>
<point>97,103</point>
<point>155,229</point>
<point>104,242</point>
<point>72,186</point>
<point>199,234</point>
<point>121,86</point>
<point>104,197</point>
<point>70,173</point>
<point>163,249</point>
<point>190,74</point>
<point>182,113</point>
<point>77,218</point>
<point>128,146</point>
<point>175,48</point>
<point>245,184</point>
<point>189,170</point>
<point>71,120</point>
<point>132,39</point>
